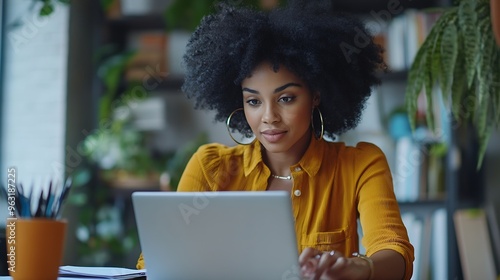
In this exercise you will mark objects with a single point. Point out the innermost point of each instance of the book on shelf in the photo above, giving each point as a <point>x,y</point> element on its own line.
<point>406,174</point>
<point>429,236</point>
<point>439,245</point>
<point>474,245</point>
<point>419,173</point>
<point>494,228</point>
<point>414,227</point>
<point>150,59</point>
<point>404,35</point>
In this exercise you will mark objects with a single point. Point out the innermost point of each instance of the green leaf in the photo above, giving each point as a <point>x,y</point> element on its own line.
<point>106,4</point>
<point>46,9</point>
<point>429,116</point>
<point>78,199</point>
<point>458,87</point>
<point>429,82</point>
<point>470,69</point>
<point>105,108</point>
<point>415,84</point>
<point>467,19</point>
<point>110,72</point>
<point>482,114</point>
<point>186,15</point>
<point>418,75</point>
<point>483,144</point>
<point>435,68</point>
<point>81,177</point>
<point>87,215</point>
<point>449,51</point>
<point>485,70</point>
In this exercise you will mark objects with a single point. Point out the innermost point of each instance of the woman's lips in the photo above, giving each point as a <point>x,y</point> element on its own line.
<point>273,136</point>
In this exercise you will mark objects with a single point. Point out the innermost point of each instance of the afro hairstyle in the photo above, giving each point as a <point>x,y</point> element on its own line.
<point>331,52</point>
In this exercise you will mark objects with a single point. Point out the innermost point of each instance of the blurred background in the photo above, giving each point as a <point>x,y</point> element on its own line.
<point>90,89</point>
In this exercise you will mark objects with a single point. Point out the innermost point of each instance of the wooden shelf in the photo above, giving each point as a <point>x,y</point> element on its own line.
<point>428,205</point>
<point>170,84</point>
<point>382,8</point>
<point>393,76</point>
<point>142,22</point>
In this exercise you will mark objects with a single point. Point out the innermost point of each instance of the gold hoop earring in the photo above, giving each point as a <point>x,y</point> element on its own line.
<point>321,121</point>
<point>228,121</point>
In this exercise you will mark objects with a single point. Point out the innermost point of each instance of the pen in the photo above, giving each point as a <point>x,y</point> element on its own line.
<point>47,205</point>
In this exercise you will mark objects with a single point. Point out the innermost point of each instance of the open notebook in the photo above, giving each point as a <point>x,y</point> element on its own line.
<point>217,235</point>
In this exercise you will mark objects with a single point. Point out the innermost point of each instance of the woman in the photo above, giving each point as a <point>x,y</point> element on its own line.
<point>288,77</point>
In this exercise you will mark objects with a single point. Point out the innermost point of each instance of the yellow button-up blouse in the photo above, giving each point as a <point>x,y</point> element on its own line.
<point>333,186</point>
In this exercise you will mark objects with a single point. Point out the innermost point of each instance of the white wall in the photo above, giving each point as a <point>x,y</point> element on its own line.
<point>34,93</point>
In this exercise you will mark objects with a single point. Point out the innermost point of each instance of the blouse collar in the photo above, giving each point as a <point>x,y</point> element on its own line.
<point>310,161</point>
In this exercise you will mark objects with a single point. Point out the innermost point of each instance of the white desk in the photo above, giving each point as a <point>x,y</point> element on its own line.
<point>88,273</point>
<point>59,278</point>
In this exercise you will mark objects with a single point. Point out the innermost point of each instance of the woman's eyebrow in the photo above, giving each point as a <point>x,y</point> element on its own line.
<point>283,87</point>
<point>279,89</point>
<point>249,90</point>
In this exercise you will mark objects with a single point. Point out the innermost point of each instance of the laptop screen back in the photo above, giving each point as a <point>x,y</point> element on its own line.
<point>217,235</point>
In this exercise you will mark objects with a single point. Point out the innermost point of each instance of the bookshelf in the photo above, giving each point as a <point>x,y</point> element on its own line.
<point>125,31</point>
<point>463,184</point>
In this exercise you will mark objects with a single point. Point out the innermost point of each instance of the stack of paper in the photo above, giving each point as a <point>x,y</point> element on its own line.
<point>101,272</point>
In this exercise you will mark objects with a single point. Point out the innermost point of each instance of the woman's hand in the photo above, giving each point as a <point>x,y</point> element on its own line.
<point>331,265</point>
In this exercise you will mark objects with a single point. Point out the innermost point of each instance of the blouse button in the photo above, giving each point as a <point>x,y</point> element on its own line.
<point>298,168</point>
<point>297,192</point>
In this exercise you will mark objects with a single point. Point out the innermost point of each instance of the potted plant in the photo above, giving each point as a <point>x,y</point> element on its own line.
<point>460,55</point>
<point>117,157</point>
<point>117,147</point>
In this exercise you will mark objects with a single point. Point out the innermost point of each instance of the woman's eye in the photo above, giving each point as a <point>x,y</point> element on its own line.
<point>286,99</point>
<point>253,102</point>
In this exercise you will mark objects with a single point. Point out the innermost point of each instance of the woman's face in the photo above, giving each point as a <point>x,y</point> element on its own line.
<point>278,107</point>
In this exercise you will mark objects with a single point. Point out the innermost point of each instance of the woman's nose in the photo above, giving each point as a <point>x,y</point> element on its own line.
<point>270,114</point>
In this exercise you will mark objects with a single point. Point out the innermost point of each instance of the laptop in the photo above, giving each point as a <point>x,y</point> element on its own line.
<point>217,235</point>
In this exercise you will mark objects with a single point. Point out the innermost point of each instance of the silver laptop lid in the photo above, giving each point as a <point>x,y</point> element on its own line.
<point>217,235</point>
